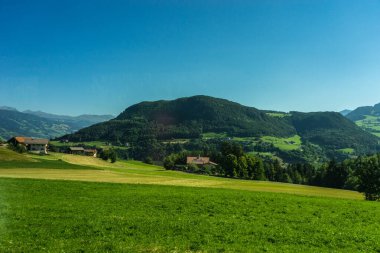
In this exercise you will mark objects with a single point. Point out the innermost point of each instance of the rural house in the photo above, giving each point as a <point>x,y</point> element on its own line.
<point>199,160</point>
<point>90,152</point>
<point>76,150</point>
<point>82,151</point>
<point>31,144</point>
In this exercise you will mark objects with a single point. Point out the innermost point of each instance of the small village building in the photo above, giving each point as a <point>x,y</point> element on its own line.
<point>82,151</point>
<point>31,144</point>
<point>76,150</point>
<point>200,161</point>
<point>90,152</point>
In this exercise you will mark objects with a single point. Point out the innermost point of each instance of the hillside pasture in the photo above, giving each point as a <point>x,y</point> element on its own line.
<point>286,144</point>
<point>371,124</point>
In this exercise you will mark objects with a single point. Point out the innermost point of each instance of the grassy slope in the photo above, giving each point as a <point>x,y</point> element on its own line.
<point>287,144</point>
<point>58,216</point>
<point>82,168</point>
<point>370,123</point>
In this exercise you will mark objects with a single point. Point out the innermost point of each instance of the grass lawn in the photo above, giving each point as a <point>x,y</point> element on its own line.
<point>287,144</point>
<point>68,216</point>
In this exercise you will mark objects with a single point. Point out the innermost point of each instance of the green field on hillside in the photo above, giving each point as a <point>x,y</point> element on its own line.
<point>97,144</point>
<point>291,143</point>
<point>371,124</point>
<point>67,216</point>
<point>278,114</point>
<point>347,150</point>
<point>213,135</point>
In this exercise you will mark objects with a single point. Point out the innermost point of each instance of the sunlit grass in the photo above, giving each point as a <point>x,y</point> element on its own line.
<point>73,167</point>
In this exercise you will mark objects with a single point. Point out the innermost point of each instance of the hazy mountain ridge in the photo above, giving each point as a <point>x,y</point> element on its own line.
<point>41,124</point>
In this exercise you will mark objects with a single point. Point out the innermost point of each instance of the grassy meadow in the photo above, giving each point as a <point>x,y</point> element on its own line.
<point>58,216</point>
<point>287,144</point>
<point>68,203</point>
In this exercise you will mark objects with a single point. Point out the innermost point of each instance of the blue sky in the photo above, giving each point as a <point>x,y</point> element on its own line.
<point>74,57</point>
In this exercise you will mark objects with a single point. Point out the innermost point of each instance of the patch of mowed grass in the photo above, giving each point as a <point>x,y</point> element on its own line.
<point>37,163</point>
<point>59,216</point>
<point>287,144</point>
<point>278,114</point>
<point>212,135</point>
<point>347,150</point>
<point>7,155</point>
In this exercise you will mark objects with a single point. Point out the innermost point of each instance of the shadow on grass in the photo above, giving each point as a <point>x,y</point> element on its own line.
<point>44,164</point>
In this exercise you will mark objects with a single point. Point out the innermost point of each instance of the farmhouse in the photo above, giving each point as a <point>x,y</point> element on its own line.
<point>199,160</point>
<point>90,152</point>
<point>82,151</point>
<point>76,150</point>
<point>31,144</point>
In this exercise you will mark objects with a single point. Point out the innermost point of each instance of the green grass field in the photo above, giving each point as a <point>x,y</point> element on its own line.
<point>278,114</point>
<point>59,216</point>
<point>133,207</point>
<point>347,150</point>
<point>98,144</point>
<point>213,135</point>
<point>287,144</point>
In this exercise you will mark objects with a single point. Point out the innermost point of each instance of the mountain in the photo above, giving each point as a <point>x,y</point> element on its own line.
<point>208,114</point>
<point>193,117</point>
<point>42,125</point>
<point>7,108</point>
<point>367,117</point>
<point>345,112</point>
<point>75,122</point>
<point>17,123</point>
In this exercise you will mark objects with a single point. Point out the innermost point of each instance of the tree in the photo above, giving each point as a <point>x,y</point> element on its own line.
<point>242,167</point>
<point>230,165</point>
<point>368,173</point>
<point>112,155</point>
<point>108,154</point>
<point>169,162</point>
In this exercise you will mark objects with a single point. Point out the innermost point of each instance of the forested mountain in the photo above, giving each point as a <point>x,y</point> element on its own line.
<point>367,117</point>
<point>333,131</point>
<point>192,117</point>
<point>207,114</point>
<point>43,125</point>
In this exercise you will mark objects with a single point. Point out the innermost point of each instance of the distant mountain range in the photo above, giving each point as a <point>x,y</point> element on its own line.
<point>41,124</point>
<point>192,117</point>
<point>345,112</point>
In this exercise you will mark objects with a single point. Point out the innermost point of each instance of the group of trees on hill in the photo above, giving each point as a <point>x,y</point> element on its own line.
<point>361,174</point>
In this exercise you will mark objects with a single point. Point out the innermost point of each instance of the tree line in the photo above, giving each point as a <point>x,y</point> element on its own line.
<point>361,174</point>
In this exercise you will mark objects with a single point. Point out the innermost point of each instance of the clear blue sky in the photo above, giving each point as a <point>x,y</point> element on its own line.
<point>74,57</point>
